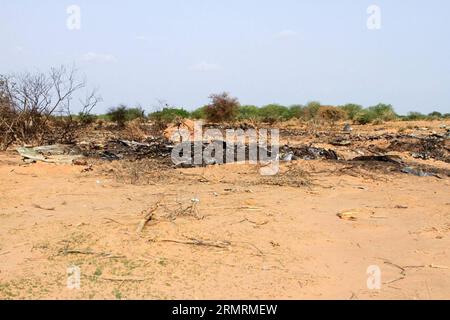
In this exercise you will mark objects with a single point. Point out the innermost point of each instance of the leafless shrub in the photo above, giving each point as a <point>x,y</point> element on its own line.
<point>139,172</point>
<point>330,114</point>
<point>35,106</point>
<point>223,107</point>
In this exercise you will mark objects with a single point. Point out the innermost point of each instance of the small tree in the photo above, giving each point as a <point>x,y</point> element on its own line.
<point>223,107</point>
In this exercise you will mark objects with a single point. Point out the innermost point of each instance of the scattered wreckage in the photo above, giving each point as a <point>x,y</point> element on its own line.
<point>432,146</point>
<point>59,154</point>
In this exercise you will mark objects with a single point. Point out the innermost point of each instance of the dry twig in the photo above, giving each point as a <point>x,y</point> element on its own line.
<point>124,279</point>
<point>148,216</point>
<point>197,242</point>
<point>66,251</point>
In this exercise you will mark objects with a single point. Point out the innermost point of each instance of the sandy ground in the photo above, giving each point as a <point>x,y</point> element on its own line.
<point>262,238</point>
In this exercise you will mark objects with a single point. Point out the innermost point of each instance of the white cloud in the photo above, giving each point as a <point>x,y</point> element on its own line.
<point>204,67</point>
<point>99,57</point>
<point>286,34</point>
<point>18,49</point>
<point>140,38</point>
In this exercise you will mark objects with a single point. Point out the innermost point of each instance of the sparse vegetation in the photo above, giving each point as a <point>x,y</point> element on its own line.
<point>167,116</point>
<point>34,108</point>
<point>381,112</point>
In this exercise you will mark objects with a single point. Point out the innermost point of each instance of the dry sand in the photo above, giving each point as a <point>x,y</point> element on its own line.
<point>263,238</point>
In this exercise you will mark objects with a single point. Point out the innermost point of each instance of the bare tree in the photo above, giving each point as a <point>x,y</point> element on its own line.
<point>31,101</point>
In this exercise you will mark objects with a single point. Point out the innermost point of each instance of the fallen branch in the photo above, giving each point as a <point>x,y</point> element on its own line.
<point>112,220</point>
<point>89,252</point>
<point>404,268</point>
<point>257,249</point>
<point>395,280</point>
<point>433,266</point>
<point>252,222</point>
<point>123,279</point>
<point>249,208</point>
<point>148,216</point>
<point>197,242</point>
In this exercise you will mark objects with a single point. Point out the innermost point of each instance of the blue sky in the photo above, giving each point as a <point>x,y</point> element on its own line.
<point>286,51</point>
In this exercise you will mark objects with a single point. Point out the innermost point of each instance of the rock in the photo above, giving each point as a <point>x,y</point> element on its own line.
<point>348,215</point>
<point>347,128</point>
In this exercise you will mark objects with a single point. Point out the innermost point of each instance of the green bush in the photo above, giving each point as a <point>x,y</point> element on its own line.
<point>352,110</point>
<point>248,113</point>
<point>311,109</point>
<point>273,113</point>
<point>297,111</point>
<point>122,114</point>
<point>383,112</point>
<point>364,117</point>
<point>118,115</point>
<point>168,115</point>
<point>135,113</point>
<point>379,113</point>
<point>86,118</point>
<point>199,113</point>
<point>436,115</point>
<point>414,116</point>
